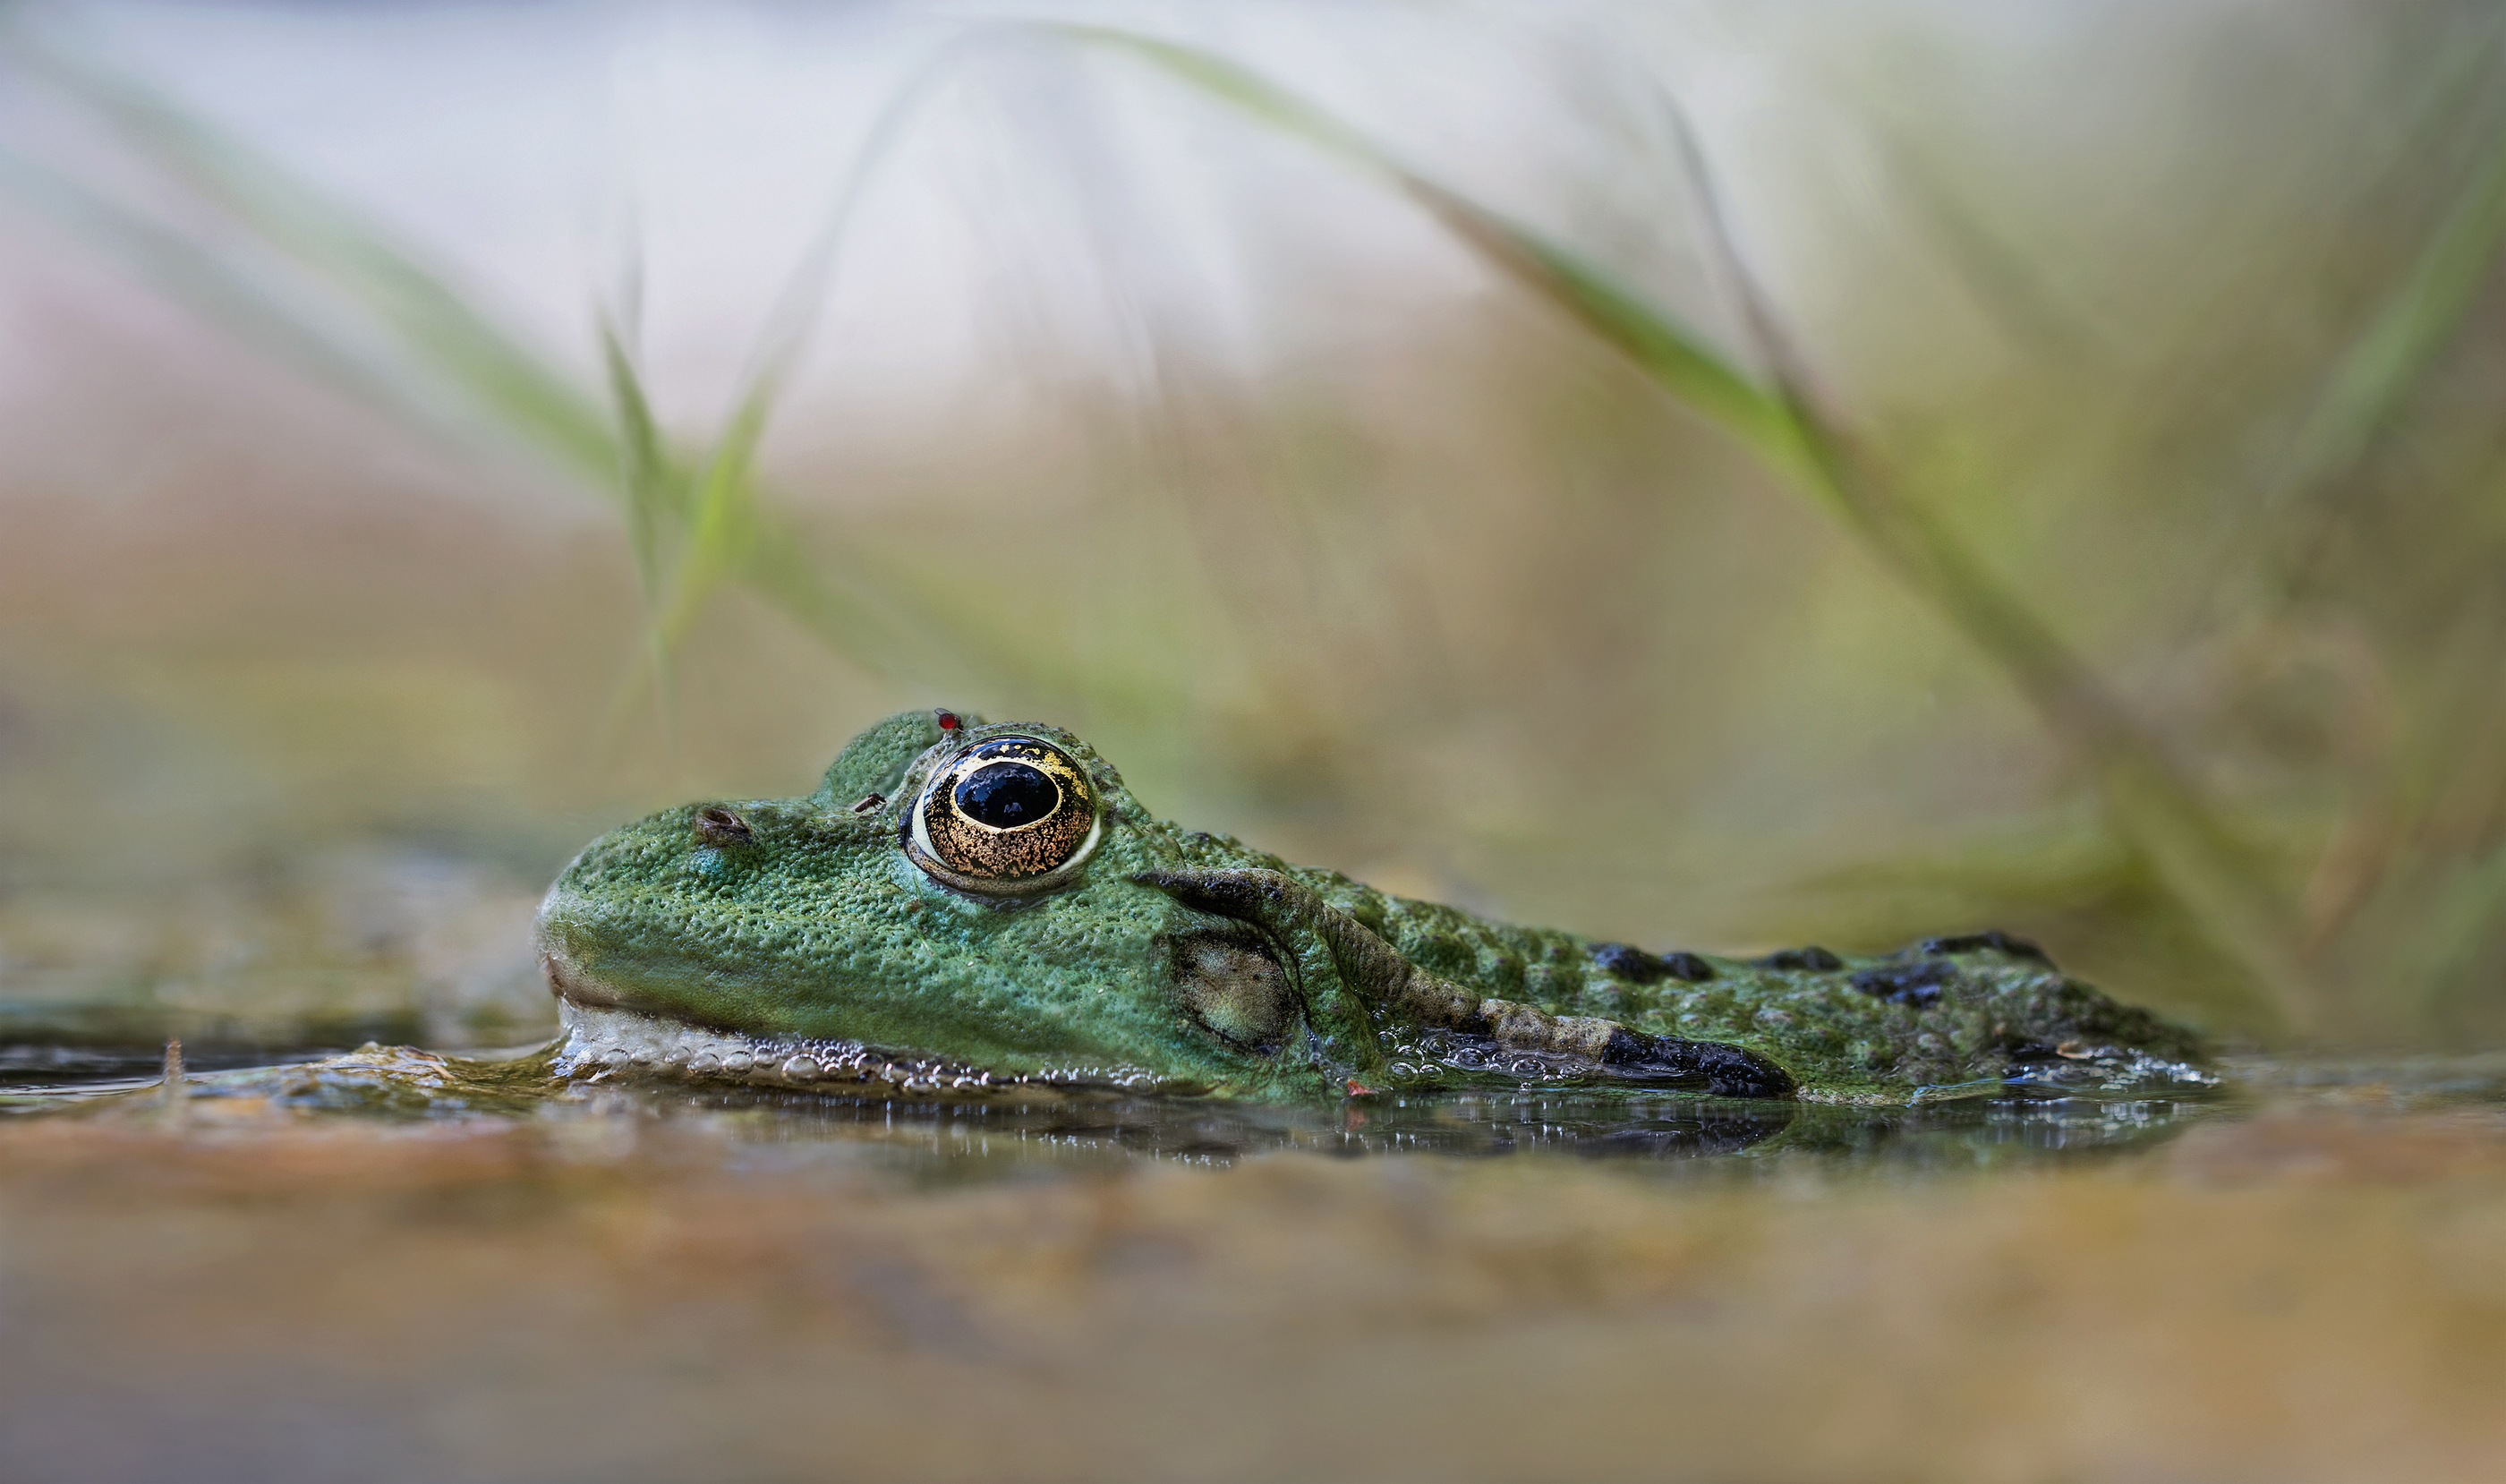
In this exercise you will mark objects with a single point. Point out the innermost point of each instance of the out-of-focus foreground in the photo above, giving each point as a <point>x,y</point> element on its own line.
<point>2312,1295</point>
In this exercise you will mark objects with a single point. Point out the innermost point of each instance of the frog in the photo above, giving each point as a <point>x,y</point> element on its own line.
<point>972,910</point>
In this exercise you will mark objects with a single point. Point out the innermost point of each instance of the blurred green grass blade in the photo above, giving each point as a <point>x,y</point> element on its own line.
<point>2186,840</point>
<point>689,531</point>
<point>725,531</point>
<point>2150,803</point>
<point>794,315</point>
<point>2163,815</point>
<point>2010,282</point>
<point>432,320</point>
<point>1618,313</point>
<point>1684,362</point>
<point>2414,323</point>
<point>720,519</point>
<point>2462,918</point>
<point>722,526</point>
<point>653,482</point>
<point>1239,86</point>
<point>655,502</point>
<point>228,293</point>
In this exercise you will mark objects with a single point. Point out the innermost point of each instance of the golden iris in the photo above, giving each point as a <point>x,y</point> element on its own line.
<point>1004,812</point>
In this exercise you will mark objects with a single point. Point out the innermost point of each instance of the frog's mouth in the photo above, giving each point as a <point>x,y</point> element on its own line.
<point>604,1041</point>
<point>606,1035</point>
<point>574,986</point>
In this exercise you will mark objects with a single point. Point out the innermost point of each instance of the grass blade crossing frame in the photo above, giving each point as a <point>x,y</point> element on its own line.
<point>2150,804</point>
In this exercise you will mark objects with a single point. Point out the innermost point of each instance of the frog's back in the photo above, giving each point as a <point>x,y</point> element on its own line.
<point>1943,1011</point>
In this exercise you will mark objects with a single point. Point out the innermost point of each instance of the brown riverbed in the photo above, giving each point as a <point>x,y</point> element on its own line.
<point>2311,1287</point>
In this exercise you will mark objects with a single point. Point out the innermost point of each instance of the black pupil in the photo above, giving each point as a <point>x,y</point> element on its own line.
<point>1006,795</point>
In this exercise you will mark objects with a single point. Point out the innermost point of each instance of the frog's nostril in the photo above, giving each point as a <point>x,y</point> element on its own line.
<point>717,825</point>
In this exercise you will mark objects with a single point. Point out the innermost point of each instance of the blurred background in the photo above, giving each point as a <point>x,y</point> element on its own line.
<point>1710,475</point>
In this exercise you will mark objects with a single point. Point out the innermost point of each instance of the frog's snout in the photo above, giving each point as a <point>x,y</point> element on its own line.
<point>563,973</point>
<point>568,982</point>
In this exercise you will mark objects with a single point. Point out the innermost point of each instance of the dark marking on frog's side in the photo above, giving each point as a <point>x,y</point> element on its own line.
<point>1633,964</point>
<point>1636,967</point>
<point>1728,1071</point>
<point>1626,1058</point>
<point>1816,959</point>
<point>1992,938</point>
<point>717,825</point>
<point>1917,986</point>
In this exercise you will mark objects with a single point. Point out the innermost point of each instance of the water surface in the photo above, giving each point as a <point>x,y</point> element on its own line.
<point>389,1265</point>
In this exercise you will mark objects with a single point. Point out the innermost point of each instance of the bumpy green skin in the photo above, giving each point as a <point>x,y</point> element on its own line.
<point>819,926</point>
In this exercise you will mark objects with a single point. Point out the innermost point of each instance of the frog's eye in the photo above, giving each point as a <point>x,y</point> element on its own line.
<point>1004,817</point>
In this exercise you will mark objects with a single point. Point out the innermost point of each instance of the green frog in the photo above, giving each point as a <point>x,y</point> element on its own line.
<point>964,910</point>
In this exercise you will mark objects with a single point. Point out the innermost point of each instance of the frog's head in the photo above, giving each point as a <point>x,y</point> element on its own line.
<point>958,902</point>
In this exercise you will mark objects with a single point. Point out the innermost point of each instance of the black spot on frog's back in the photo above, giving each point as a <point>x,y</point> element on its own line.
<point>1634,965</point>
<point>1917,986</point>
<point>1993,939</point>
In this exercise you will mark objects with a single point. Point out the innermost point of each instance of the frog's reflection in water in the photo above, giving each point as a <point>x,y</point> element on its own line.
<point>1466,1126</point>
<point>1002,1131</point>
<point>1671,1128</point>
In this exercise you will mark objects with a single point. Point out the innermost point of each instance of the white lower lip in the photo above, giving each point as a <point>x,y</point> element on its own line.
<point>605,1041</point>
<point>602,1041</point>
